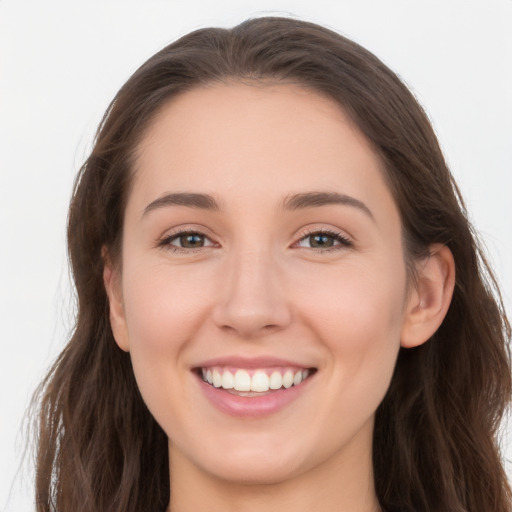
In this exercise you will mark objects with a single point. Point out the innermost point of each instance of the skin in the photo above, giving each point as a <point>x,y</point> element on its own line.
<point>260,287</point>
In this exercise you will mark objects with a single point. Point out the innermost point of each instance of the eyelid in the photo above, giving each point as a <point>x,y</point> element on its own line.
<point>345,240</point>
<point>174,233</point>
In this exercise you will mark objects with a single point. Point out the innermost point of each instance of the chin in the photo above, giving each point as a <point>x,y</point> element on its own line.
<point>260,472</point>
<point>252,464</point>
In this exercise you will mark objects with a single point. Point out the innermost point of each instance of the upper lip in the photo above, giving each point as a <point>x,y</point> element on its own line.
<point>250,363</point>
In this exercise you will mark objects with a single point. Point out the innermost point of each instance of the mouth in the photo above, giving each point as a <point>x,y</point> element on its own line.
<point>255,381</point>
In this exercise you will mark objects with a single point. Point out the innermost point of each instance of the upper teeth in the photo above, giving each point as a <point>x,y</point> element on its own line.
<point>260,381</point>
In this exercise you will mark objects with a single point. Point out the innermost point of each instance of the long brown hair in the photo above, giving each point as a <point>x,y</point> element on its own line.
<point>435,440</point>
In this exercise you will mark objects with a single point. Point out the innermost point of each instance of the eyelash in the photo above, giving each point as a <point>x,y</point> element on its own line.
<point>343,241</point>
<point>166,242</point>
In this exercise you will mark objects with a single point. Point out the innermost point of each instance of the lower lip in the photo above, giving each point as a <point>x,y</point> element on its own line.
<point>251,406</point>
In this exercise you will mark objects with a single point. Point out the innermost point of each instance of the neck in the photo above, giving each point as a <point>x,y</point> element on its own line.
<point>341,484</point>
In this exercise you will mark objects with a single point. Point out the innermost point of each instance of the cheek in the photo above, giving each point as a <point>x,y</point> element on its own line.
<point>163,310</point>
<point>162,306</point>
<point>356,299</point>
<point>358,314</point>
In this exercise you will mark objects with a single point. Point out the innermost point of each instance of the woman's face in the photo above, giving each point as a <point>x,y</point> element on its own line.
<point>261,246</point>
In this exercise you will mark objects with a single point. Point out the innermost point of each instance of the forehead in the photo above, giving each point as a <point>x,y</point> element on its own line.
<point>255,141</point>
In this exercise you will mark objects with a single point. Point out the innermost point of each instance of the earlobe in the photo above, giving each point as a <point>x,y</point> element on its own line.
<point>430,299</point>
<point>112,283</point>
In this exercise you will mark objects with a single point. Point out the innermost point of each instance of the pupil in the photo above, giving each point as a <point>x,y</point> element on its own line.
<point>191,241</point>
<point>321,241</point>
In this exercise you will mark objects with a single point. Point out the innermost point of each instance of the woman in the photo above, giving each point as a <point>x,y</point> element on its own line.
<point>280,299</point>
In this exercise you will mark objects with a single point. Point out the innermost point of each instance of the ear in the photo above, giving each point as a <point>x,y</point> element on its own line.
<point>112,283</point>
<point>430,299</point>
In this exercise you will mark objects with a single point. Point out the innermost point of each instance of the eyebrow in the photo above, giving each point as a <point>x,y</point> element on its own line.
<point>189,199</point>
<point>291,202</point>
<point>317,199</point>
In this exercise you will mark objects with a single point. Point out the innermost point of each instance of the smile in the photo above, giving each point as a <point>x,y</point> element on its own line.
<point>254,381</point>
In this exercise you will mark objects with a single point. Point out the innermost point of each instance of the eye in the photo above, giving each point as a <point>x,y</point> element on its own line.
<point>185,241</point>
<point>327,240</point>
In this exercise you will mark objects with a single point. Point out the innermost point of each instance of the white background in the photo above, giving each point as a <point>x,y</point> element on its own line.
<point>62,62</point>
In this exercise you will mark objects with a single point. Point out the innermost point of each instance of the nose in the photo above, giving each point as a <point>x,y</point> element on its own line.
<point>253,301</point>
